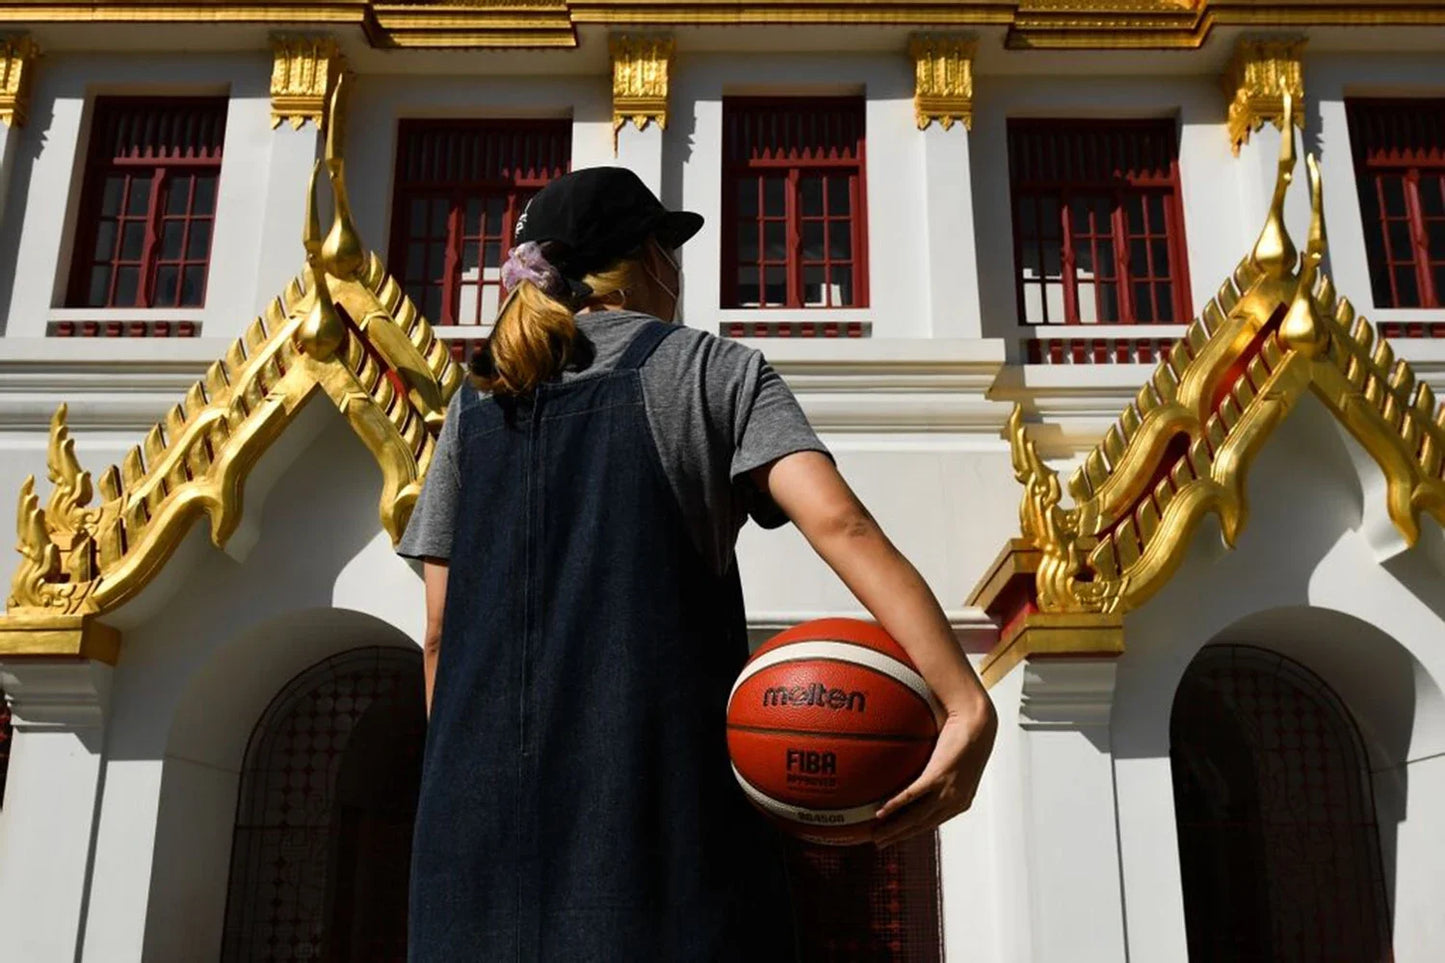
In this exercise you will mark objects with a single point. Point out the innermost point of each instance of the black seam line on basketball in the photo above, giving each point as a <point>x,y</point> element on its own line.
<point>867,668</point>
<point>829,735</point>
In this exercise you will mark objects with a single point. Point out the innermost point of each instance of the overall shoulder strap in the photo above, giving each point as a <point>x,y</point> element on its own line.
<point>643,343</point>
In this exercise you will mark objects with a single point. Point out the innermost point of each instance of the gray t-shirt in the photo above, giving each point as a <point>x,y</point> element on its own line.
<point>717,410</point>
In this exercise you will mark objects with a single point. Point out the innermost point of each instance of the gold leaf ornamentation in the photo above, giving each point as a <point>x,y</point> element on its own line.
<point>303,72</point>
<point>943,78</point>
<point>640,73</point>
<point>1261,70</point>
<point>17,75</point>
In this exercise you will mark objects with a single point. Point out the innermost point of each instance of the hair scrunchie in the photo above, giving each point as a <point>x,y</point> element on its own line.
<point>526,262</point>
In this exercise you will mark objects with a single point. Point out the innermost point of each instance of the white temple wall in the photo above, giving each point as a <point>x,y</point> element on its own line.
<point>35,241</point>
<point>1304,581</point>
<point>894,167</point>
<point>193,679</point>
<point>1220,222</point>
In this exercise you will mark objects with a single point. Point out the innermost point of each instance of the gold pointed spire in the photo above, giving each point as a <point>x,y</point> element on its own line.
<point>341,252</point>
<point>1274,253</point>
<point>322,332</point>
<point>1302,328</point>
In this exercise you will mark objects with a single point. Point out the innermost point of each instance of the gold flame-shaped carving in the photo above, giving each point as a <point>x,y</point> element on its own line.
<point>1182,448</point>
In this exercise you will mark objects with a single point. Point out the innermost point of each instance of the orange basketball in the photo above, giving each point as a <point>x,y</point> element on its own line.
<point>828,721</point>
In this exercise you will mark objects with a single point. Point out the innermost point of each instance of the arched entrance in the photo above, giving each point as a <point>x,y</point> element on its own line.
<point>1279,848</point>
<point>322,845</point>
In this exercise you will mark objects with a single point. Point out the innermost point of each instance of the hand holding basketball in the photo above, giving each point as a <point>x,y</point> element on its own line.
<point>947,784</point>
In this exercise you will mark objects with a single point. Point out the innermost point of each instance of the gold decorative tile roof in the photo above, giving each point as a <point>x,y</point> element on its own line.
<point>343,329</point>
<point>1276,330</point>
<point>1057,24</point>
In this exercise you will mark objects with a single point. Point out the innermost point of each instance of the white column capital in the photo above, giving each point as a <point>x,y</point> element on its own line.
<point>56,694</point>
<point>1067,693</point>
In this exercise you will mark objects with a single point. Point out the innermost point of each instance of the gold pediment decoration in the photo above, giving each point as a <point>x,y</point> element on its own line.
<point>343,329</point>
<point>1258,75</point>
<point>640,68</point>
<point>534,24</point>
<point>1275,331</point>
<point>943,79</point>
<point>17,75</point>
<point>303,72</point>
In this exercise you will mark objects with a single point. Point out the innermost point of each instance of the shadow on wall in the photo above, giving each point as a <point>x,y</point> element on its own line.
<point>213,723</point>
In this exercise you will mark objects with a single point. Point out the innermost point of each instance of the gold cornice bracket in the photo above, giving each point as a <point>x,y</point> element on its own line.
<point>1261,71</point>
<point>303,72</point>
<point>641,65</point>
<point>943,78</point>
<point>17,73</point>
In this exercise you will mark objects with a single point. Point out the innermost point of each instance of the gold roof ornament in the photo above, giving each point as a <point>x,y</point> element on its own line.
<point>1261,72</point>
<point>303,72</point>
<point>17,75</point>
<point>532,24</point>
<point>1275,330</point>
<point>344,329</point>
<point>640,69</point>
<point>942,78</point>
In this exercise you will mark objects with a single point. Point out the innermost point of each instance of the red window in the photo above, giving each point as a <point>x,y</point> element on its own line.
<point>148,203</point>
<point>1098,226</point>
<point>794,231</point>
<point>1399,148</point>
<point>460,186</point>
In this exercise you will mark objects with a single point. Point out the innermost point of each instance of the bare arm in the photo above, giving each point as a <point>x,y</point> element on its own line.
<point>809,489</point>
<point>434,575</point>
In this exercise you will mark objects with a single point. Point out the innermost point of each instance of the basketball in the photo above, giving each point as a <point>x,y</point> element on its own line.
<point>827,721</point>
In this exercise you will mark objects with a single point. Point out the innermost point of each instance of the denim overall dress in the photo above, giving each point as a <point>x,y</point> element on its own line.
<point>576,800</point>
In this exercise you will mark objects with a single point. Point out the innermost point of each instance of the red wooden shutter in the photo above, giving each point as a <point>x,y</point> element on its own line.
<point>460,187</point>
<point>1399,150</point>
<point>794,224</point>
<point>148,203</point>
<point>1098,224</point>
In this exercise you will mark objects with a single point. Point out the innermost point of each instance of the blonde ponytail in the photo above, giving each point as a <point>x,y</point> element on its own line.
<point>535,334</point>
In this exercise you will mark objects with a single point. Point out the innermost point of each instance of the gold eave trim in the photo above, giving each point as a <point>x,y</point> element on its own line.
<point>42,635</point>
<point>1071,635</point>
<point>1042,24</point>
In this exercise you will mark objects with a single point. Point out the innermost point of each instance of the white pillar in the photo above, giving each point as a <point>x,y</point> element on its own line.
<point>47,826</point>
<point>1076,902</point>
<point>953,296</point>
<point>293,152</point>
<point>641,152</point>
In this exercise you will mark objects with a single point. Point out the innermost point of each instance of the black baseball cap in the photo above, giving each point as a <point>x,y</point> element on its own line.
<point>588,218</point>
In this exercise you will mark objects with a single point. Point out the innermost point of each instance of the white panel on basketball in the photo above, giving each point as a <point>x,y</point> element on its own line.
<point>803,815</point>
<point>840,652</point>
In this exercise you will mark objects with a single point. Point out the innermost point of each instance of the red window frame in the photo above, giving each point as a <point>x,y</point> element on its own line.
<point>1399,153</point>
<point>1107,194</point>
<point>460,187</point>
<point>148,203</point>
<point>796,143</point>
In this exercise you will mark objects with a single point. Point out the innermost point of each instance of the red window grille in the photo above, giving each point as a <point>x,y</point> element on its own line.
<point>1279,847</point>
<point>460,187</point>
<point>1098,223</point>
<point>1399,151</point>
<point>865,903</point>
<point>794,226</point>
<point>148,202</point>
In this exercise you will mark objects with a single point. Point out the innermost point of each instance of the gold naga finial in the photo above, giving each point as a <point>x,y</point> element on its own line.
<point>40,558</point>
<point>1302,328</point>
<point>322,332</point>
<point>1274,253</point>
<point>341,252</point>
